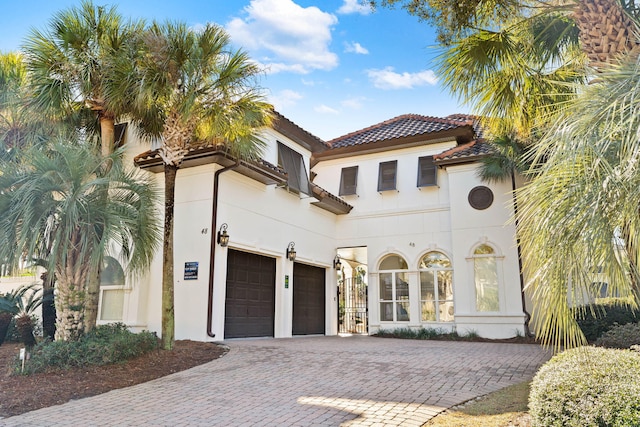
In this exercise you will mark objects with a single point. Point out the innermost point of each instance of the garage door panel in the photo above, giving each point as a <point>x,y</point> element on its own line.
<point>250,301</point>
<point>308,300</point>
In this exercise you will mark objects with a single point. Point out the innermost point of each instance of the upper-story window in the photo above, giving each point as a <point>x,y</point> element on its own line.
<point>348,181</point>
<point>291,161</point>
<point>427,172</point>
<point>387,175</point>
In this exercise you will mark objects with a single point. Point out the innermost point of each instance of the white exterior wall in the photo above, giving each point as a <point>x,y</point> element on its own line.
<point>262,219</point>
<point>471,228</point>
<point>413,221</point>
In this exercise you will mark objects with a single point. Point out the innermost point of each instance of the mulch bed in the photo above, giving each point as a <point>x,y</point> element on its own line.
<point>21,393</point>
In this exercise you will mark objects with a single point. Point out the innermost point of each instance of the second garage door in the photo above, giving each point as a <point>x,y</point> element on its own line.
<point>250,300</point>
<point>308,300</point>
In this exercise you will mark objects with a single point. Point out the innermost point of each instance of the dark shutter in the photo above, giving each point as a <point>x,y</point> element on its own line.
<point>427,172</point>
<point>348,181</point>
<point>291,161</point>
<point>119,131</point>
<point>387,175</point>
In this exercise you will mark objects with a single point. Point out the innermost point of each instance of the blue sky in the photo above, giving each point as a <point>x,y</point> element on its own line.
<point>331,66</point>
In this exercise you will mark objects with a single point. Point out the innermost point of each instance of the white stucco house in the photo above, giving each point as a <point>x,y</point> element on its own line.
<point>385,227</point>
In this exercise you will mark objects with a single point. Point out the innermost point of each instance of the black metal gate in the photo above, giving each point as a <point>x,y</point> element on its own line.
<point>353,314</point>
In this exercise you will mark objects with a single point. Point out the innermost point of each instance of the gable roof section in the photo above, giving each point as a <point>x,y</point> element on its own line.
<point>402,131</point>
<point>297,134</point>
<point>464,153</point>
<point>404,126</point>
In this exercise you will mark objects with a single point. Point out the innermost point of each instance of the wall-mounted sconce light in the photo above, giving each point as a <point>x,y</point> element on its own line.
<point>291,251</point>
<point>223,236</point>
<point>337,264</point>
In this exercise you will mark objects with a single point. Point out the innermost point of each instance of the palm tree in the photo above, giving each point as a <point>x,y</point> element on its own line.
<point>22,304</point>
<point>69,64</point>
<point>69,67</point>
<point>580,212</point>
<point>19,127</point>
<point>54,203</point>
<point>525,96</point>
<point>192,89</point>
<point>516,77</point>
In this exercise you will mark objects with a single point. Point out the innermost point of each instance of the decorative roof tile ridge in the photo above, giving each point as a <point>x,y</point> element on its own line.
<point>324,193</point>
<point>281,117</point>
<point>470,118</point>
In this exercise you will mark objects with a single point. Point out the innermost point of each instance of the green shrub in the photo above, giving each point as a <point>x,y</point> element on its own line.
<point>426,334</point>
<point>587,386</point>
<point>104,345</point>
<point>620,336</point>
<point>598,318</point>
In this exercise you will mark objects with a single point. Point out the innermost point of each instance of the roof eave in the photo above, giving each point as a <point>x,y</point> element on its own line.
<point>254,170</point>
<point>462,160</point>
<point>297,134</point>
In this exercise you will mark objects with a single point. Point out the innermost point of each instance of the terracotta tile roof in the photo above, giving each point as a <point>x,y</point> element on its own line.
<point>329,201</point>
<point>469,118</point>
<point>465,152</point>
<point>298,134</point>
<point>399,127</point>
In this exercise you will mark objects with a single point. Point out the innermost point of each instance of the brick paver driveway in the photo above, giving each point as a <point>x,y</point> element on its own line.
<point>322,381</point>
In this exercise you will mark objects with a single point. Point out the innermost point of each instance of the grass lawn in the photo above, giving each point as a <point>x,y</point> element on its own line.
<point>506,407</point>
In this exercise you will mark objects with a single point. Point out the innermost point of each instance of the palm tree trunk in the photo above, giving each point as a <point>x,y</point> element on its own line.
<point>70,298</point>
<point>168,312</point>
<point>92,299</point>
<point>107,133</point>
<point>69,311</point>
<point>107,141</point>
<point>606,31</point>
<point>48,307</point>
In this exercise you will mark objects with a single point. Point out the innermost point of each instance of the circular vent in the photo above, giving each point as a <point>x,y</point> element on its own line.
<point>480,197</point>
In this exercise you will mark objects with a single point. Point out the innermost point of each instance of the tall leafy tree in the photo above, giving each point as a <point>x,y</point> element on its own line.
<point>54,203</point>
<point>193,88</point>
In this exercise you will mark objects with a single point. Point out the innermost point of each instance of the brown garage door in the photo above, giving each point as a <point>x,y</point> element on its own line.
<point>250,301</point>
<point>308,299</point>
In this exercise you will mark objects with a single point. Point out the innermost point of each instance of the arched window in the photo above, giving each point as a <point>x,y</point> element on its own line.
<point>112,290</point>
<point>394,289</point>
<point>436,288</point>
<point>486,278</point>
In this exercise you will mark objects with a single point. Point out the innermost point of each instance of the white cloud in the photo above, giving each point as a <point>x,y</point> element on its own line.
<point>353,103</point>
<point>355,47</point>
<point>297,38</point>
<point>285,98</point>
<point>324,109</point>
<point>354,6</point>
<point>387,78</point>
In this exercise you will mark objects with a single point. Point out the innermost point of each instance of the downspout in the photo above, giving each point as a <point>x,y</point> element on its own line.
<point>527,316</point>
<point>214,227</point>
